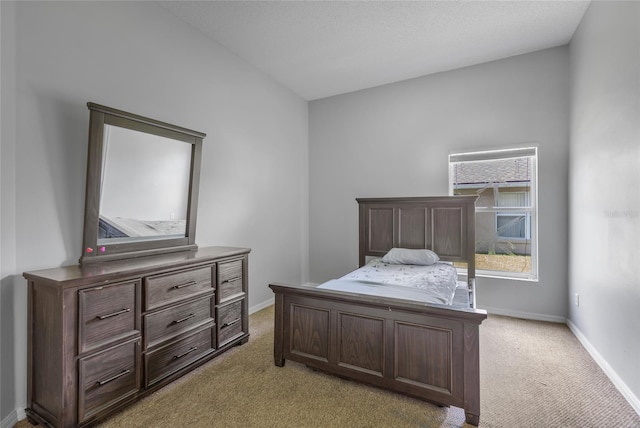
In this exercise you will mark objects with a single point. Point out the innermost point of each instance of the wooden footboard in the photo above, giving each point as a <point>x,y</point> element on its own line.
<point>424,351</point>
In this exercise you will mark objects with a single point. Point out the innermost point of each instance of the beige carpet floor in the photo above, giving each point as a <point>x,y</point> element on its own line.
<point>533,374</point>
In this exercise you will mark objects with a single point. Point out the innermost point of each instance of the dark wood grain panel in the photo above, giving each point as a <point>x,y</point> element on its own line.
<point>169,359</point>
<point>168,323</point>
<point>471,367</point>
<point>46,355</point>
<point>448,227</point>
<point>108,377</point>
<point>229,321</point>
<point>161,290</point>
<point>230,278</point>
<point>412,228</point>
<point>117,270</point>
<point>361,342</point>
<point>309,332</point>
<point>423,356</point>
<point>381,220</point>
<point>108,314</point>
<point>280,329</point>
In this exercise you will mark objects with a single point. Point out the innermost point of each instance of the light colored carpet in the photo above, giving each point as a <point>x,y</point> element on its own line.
<point>533,374</point>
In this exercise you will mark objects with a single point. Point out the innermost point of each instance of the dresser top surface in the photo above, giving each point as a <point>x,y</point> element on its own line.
<point>79,274</point>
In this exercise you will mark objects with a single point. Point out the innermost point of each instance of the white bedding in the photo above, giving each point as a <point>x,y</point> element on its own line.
<point>134,228</point>
<point>436,283</point>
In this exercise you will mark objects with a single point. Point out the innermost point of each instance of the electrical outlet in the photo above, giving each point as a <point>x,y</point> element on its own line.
<point>577,299</point>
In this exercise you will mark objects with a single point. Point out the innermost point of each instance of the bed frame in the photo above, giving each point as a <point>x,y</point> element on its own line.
<point>425,351</point>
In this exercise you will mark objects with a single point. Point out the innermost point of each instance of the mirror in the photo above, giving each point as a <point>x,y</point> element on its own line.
<point>142,186</point>
<point>137,203</point>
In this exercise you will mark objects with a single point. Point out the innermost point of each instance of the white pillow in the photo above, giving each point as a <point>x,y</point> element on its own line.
<point>405,256</point>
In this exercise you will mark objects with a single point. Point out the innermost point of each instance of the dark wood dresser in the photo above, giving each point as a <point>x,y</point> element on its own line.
<point>103,335</point>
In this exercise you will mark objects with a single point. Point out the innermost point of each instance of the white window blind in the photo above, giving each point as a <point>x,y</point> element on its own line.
<point>493,154</point>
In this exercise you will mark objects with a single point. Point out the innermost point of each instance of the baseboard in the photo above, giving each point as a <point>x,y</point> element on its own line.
<point>13,418</point>
<point>606,368</point>
<point>267,303</point>
<point>525,315</point>
<point>262,305</point>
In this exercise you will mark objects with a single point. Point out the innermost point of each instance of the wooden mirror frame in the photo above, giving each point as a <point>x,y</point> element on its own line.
<point>99,117</point>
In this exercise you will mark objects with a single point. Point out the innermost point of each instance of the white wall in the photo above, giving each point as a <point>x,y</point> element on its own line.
<point>137,57</point>
<point>394,140</point>
<point>605,188</point>
<point>8,293</point>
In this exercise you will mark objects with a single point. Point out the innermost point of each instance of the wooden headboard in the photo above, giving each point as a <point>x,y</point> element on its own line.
<point>443,224</point>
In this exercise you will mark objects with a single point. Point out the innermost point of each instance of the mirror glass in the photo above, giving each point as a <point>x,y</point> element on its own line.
<point>145,186</point>
<point>142,186</point>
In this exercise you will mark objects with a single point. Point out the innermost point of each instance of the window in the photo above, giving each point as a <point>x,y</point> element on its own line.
<point>513,225</point>
<point>505,182</point>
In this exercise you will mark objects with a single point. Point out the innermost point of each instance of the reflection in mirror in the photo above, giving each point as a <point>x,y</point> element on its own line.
<point>144,186</point>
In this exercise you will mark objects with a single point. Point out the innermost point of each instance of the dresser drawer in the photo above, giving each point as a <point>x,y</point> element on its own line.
<point>171,358</point>
<point>168,323</point>
<point>107,378</point>
<point>230,321</point>
<point>160,290</point>
<point>107,314</point>
<point>230,280</point>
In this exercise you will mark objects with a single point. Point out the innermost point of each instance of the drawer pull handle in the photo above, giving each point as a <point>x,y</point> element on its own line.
<point>112,378</point>
<point>184,319</point>
<point>193,348</point>
<point>120,312</point>
<point>229,324</point>
<point>188,284</point>
<point>237,278</point>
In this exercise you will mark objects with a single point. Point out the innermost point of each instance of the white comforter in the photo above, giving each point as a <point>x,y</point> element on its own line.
<point>429,284</point>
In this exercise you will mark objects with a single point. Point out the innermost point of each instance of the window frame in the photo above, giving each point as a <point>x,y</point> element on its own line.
<point>532,210</point>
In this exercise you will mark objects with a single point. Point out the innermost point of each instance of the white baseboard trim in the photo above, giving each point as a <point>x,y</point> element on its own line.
<point>606,368</point>
<point>604,365</point>
<point>269,302</point>
<point>13,418</point>
<point>525,315</point>
<point>262,305</point>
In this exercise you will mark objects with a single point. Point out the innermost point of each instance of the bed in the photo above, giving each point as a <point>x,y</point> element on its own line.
<point>424,350</point>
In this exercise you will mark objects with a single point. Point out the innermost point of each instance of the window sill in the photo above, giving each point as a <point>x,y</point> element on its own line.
<point>501,275</point>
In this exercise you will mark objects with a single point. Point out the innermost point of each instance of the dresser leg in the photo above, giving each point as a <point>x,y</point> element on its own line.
<point>34,419</point>
<point>472,419</point>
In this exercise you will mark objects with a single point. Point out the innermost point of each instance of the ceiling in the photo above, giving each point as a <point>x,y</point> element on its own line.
<point>324,48</point>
